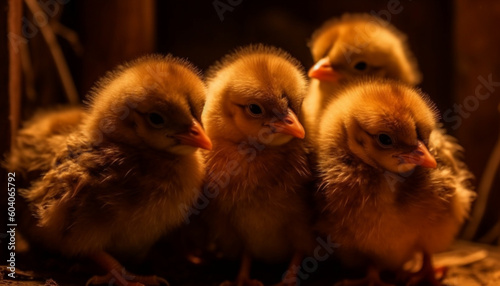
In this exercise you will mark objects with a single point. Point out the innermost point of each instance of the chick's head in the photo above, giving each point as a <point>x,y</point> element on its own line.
<point>361,45</point>
<point>153,102</point>
<point>256,92</point>
<point>384,123</point>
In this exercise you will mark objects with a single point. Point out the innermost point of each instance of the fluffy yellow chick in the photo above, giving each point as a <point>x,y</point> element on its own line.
<point>118,182</point>
<point>386,193</point>
<point>258,167</point>
<point>354,46</point>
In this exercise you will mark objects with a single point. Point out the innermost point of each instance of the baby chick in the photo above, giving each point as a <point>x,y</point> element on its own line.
<point>354,46</point>
<point>258,166</point>
<point>118,182</point>
<point>385,191</point>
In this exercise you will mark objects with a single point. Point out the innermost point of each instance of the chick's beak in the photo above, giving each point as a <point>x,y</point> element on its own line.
<point>195,136</point>
<point>323,70</point>
<point>420,156</point>
<point>290,125</point>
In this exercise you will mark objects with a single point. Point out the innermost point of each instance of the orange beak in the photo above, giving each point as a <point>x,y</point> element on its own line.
<point>323,70</point>
<point>290,125</point>
<point>419,156</point>
<point>195,137</point>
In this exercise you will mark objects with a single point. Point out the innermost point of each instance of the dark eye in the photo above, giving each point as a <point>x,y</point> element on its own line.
<point>384,140</point>
<point>156,120</point>
<point>360,66</point>
<point>255,110</point>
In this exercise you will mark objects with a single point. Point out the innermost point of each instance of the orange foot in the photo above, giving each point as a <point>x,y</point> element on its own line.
<point>243,278</point>
<point>426,275</point>
<point>290,278</point>
<point>117,275</point>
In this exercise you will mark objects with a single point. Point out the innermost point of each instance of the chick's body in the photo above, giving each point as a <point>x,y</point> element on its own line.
<point>40,139</point>
<point>119,181</point>
<point>112,198</point>
<point>380,196</point>
<point>257,168</point>
<point>261,207</point>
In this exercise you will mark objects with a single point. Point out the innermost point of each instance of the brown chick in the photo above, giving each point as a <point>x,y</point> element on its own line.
<point>354,46</point>
<point>118,182</point>
<point>258,166</point>
<point>385,193</point>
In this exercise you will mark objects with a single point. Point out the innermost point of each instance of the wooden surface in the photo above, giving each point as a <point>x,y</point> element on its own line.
<point>4,103</point>
<point>4,97</point>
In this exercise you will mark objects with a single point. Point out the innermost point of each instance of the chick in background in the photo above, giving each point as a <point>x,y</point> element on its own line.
<point>351,47</point>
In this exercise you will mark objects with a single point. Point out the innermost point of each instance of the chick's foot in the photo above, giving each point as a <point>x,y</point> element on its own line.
<point>117,275</point>
<point>426,275</point>
<point>243,278</point>
<point>290,277</point>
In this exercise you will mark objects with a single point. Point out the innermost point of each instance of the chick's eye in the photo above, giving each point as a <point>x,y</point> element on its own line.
<point>384,140</point>
<point>156,120</point>
<point>360,66</point>
<point>255,110</point>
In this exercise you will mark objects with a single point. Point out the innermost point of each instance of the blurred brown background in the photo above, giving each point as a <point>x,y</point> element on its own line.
<point>456,43</point>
